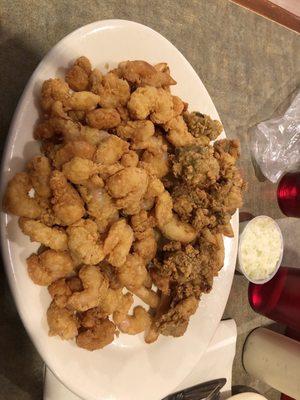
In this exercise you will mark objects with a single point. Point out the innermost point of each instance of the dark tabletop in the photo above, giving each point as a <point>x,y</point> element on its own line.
<point>248,64</point>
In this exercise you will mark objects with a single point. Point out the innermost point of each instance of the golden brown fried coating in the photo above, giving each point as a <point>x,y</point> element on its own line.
<point>138,132</point>
<point>177,132</point>
<point>55,238</point>
<point>226,152</point>
<point>78,75</point>
<point>130,159</point>
<point>201,126</point>
<point>149,101</point>
<point>57,127</point>
<point>113,91</point>
<point>110,150</point>
<point>103,118</point>
<point>78,148</point>
<point>100,207</point>
<point>133,324</point>
<point>83,101</point>
<point>67,204</point>
<point>197,166</point>
<point>148,296</point>
<point>156,162</point>
<point>115,300</point>
<point>98,336</point>
<point>168,222</point>
<point>175,321</point>
<point>46,267</point>
<point>95,80</point>
<point>95,286</point>
<point>128,187</point>
<point>62,322</point>
<point>133,272</point>
<point>118,243</point>
<point>84,243</point>
<point>145,244</point>
<point>78,170</point>
<point>142,73</point>
<point>62,289</point>
<point>17,200</point>
<point>53,90</point>
<point>39,169</point>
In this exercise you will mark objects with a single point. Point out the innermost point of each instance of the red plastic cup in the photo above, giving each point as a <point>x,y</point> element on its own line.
<point>288,194</point>
<point>279,299</point>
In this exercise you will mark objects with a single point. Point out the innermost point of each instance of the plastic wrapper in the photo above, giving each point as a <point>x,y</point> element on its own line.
<point>275,143</point>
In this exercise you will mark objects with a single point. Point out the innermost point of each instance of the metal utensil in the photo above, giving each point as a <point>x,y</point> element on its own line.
<point>206,390</point>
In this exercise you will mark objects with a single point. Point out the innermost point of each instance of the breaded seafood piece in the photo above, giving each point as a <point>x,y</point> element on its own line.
<point>55,238</point>
<point>48,266</point>
<point>78,170</point>
<point>62,289</point>
<point>53,90</point>
<point>62,322</point>
<point>201,125</point>
<point>133,272</point>
<point>149,101</point>
<point>133,324</point>
<point>83,101</point>
<point>177,132</point>
<point>78,148</point>
<point>17,200</point>
<point>78,75</point>
<point>67,204</point>
<point>118,243</point>
<point>168,222</point>
<point>100,207</point>
<point>95,286</point>
<point>128,187</point>
<point>196,166</point>
<point>103,118</point>
<point>110,150</point>
<point>84,242</point>
<point>97,337</point>
<point>39,169</point>
<point>113,91</point>
<point>142,73</point>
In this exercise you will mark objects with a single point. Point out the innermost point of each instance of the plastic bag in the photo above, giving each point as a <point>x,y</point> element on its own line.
<point>275,144</point>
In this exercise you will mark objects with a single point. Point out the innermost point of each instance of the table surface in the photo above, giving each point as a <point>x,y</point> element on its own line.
<point>249,66</point>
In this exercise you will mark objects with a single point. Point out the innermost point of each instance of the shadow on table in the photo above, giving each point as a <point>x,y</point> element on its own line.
<point>17,62</point>
<point>20,364</point>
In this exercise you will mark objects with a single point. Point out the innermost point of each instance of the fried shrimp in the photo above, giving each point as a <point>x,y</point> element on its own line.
<point>100,207</point>
<point>62,322</point>
<point>39,170</point>
<point>169,224</point>
<point>118,243</point>
<point>79,170</point>
<point>48,266</point>
<point>133,324</point>
<point>17,200</point>
<point>55,238</point>
<point>128,187</point>
<point>83,242</point>
<point>67,204</point>
<point>98,336</point>
<point>95,287</point>
<point>142,73</point>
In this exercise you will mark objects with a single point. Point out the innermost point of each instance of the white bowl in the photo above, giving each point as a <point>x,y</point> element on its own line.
<point>242,229</point>
<point>128,369</point>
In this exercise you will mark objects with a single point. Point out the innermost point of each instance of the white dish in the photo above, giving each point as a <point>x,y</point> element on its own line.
<point>128,369</point>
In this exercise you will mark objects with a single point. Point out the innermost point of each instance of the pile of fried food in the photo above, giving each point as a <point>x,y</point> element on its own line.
<point>128,197</point>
